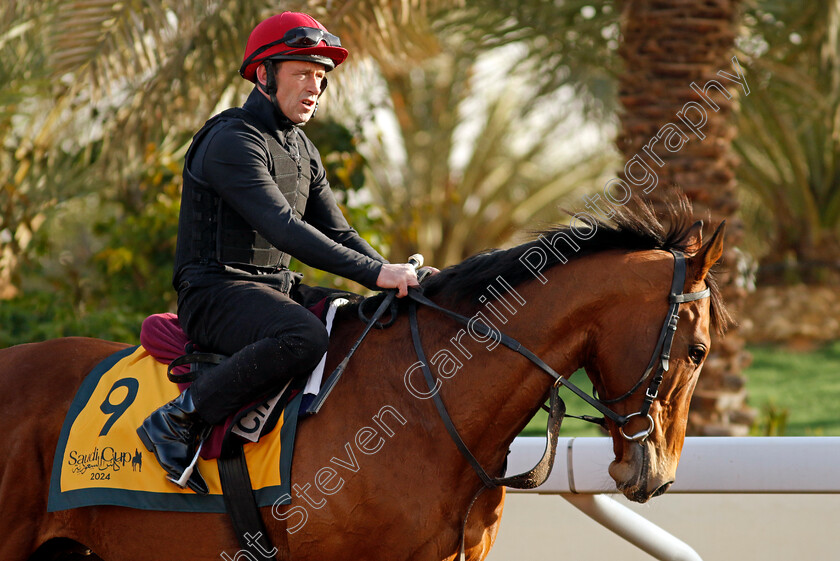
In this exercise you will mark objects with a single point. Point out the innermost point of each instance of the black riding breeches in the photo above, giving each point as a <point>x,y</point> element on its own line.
<point>270,339</point>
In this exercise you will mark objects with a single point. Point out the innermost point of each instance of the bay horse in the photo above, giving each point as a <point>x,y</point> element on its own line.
<point>377,477</point>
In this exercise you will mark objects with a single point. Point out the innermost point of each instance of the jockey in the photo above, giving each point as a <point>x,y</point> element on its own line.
<point>255,195</point>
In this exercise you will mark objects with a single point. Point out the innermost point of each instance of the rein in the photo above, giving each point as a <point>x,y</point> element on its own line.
<point>660,361</point>
<point>658,365</point>
<point>557,409</point>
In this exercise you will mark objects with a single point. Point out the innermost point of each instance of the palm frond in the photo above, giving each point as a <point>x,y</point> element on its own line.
<point>507,173</point>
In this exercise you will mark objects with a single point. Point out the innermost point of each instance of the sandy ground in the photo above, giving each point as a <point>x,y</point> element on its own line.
<point>719,528</point>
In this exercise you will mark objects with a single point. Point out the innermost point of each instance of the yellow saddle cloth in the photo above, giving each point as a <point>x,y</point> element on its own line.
<point>100,460</point>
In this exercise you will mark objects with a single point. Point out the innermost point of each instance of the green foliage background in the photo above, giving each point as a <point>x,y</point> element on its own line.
<point>122,272</point>
<point>98,102</point>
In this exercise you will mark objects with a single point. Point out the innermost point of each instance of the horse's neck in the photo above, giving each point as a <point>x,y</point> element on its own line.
<point>495,392</point>
<point>489,390</point>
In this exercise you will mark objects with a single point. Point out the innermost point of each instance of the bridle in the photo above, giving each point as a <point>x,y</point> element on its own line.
<point>660,360</point>
<point>536,476</point>
<point>655,372</point>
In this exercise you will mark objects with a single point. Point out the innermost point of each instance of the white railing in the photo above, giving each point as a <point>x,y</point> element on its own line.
<point>707,465</point>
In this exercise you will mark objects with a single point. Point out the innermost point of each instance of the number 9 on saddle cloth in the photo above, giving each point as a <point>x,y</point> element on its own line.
<point>163,337</point>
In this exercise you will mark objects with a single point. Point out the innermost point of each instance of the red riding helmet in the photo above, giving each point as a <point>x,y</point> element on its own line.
<point>291,36</point>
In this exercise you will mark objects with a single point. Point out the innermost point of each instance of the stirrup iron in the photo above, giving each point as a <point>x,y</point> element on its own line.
<point>182,481</point>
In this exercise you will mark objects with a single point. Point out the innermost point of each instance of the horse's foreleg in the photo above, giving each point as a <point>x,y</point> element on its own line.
<point>483,524</point>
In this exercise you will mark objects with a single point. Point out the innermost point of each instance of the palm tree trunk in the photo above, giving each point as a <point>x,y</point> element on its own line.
<point>668,46</point>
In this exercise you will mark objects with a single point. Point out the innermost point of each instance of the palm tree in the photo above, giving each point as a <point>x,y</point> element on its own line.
<point>23,73</point>
<point>667,46</point>
<point>469,164</point>
<point>79,82</point>
<point>789,139</point>
<point>124,88</point>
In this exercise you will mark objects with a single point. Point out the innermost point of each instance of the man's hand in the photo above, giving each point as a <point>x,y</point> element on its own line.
<point>397,275</point>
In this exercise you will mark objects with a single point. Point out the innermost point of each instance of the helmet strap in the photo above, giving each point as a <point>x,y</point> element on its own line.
<point>270,84</point>
<point>323,87</point>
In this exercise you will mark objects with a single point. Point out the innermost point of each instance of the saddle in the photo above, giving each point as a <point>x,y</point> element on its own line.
<point>162,336</point>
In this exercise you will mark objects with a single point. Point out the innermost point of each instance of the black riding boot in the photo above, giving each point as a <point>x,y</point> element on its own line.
<point>173,433</point>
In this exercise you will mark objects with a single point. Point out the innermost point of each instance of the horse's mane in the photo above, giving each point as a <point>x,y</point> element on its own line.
<point>636,229</point>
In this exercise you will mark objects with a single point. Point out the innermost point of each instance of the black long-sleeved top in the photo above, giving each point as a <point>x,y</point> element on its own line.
<point>234,163</point>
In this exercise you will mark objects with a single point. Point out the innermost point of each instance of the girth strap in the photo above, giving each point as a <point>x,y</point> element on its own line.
<point>242,506</point>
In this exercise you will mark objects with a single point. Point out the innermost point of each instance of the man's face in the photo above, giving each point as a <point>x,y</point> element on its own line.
<point>298,87</point>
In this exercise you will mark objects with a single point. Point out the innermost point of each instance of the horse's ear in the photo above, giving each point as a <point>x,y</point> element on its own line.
<point>708,254</point>
<point>694,238</point>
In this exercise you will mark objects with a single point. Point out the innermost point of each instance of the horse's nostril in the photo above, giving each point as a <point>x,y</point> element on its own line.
<point>662,489</point>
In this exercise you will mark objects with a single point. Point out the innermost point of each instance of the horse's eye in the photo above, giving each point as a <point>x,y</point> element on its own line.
<point>697,353</point>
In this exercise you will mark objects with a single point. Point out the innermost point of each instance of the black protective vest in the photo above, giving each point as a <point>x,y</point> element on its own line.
<point>213,230</point>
